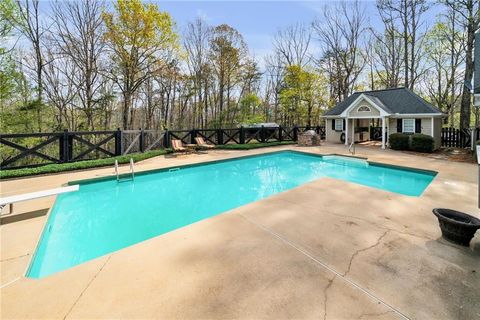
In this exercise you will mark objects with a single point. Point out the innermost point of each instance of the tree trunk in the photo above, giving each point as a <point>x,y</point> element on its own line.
<point>465,111</point>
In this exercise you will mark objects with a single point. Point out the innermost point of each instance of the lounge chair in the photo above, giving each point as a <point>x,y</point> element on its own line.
<point>178,147</point>
<point>202,144</point>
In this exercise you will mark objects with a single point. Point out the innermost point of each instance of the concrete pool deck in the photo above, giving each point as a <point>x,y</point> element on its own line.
<point>327,249</point>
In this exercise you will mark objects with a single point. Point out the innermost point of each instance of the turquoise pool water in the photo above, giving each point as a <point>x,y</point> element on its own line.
<point>106,216</point>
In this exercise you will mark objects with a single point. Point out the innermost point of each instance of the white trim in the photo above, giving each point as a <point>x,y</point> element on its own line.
<point>345,112</point>
<point>394,115</point>
<point>326,129</point>
<point>365,117</point>
<point>364,106</point>
<point>432,129</point>
<point>417,115</point>
<point>335,124</point>
<point>383,132</point>
<point>346,132</point>
<point>403,125</point>
<point>353,130</point>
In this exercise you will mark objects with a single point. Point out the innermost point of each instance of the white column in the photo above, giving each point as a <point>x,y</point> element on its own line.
<point>387,127</point>
<point>433,125</point>
<point>383,132</point>
<point>353,130</point>
<point>346,131</point>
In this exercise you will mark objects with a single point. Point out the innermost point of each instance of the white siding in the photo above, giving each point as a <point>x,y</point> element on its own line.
<point>331,135</point>
<point>374,112</point>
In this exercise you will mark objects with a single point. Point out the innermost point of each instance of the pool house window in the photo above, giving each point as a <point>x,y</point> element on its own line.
<point>363,109</point>
<point>338,124</point>
<point>408,126</point>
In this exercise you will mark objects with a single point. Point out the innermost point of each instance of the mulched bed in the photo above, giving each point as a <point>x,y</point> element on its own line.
<point>449,154</point>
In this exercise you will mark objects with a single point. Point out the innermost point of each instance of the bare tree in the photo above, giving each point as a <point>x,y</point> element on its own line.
<point>445,53</point>
<point>388,55</point>
<point>78,36</point>
<point>227,53</point>
<point>274,80</point>
<point>28,23</point>
<point>468,16</point>
<point>340,32</point>
<point>59,90</point>
<point>292,45</point>
<point>196,43</point>
<point>407,17</point>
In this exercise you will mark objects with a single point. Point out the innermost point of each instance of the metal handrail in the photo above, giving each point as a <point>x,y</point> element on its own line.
<point>132,170</point>
<point>351,148</point>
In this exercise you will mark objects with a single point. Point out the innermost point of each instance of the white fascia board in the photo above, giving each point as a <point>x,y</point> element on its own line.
<point>382,111</point>
<point>417,115</point>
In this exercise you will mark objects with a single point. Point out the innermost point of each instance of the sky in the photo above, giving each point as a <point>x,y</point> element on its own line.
<point>258,21</point>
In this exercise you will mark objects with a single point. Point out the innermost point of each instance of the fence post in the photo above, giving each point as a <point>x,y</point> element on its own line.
<point>69,146</point>
<point>63,146</point>
<point>262,134</point>
<point>242,135</point>
<point>295,133</point>
<point>118,142</point>
<point>166,139</point>
<point>193,135</point>
<point>280,136</point>
<point>141,140</point>
<point>317,129</point>
<point>219,136</point>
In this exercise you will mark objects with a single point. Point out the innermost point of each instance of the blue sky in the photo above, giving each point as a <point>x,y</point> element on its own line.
<point>258,21</point>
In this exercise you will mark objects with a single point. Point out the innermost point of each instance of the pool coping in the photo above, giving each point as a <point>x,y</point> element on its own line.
<point>193,165</point>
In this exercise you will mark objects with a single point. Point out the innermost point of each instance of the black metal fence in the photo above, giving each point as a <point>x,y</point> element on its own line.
<point>34,149</point>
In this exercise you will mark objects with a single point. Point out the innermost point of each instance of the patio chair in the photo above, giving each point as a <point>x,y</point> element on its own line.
<point>178,147</point>
<point>202,144</point>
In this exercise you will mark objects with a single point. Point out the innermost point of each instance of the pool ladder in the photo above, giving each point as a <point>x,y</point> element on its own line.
<point>132,171</point>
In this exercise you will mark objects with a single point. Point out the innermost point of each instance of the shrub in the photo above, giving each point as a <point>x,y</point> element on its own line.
<point>399,141</point>
<point>248,146</point>
<point>422,143</point>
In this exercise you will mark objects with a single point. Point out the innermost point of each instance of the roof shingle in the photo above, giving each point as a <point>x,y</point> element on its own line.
<point>395,101</point>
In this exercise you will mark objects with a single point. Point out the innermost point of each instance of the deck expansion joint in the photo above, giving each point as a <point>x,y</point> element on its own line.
<point>17,257</point>
<point>88,285</point>
<point>327,267</point>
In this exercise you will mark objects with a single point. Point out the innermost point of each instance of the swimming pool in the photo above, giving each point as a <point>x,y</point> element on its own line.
<point>105,216</point>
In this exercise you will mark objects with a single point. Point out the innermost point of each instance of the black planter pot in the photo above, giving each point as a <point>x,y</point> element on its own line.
<point>457,227</point>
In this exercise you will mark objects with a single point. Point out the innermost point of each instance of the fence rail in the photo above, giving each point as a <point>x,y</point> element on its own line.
<point>21,150</point>
<point>460,138</point>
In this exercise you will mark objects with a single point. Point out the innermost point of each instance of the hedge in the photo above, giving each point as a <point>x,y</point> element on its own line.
<point>80,165</point>
<point>415,142</point>
<point>399,141</point>
<point>248,146</point>
<point>422,143</point>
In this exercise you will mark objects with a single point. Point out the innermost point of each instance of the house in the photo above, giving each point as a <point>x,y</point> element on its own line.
<point>366,115</point>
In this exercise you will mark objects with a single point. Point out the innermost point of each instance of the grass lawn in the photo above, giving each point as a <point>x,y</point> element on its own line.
<point>80,165</point>
<point>248,146</point>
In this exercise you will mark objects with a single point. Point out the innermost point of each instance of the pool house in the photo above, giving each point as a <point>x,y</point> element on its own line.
<point>374,115</point>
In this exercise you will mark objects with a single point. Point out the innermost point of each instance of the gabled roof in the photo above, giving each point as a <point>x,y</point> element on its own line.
<point>393,101</point>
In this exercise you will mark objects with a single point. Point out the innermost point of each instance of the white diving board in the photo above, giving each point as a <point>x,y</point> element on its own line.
<point>35,195</point>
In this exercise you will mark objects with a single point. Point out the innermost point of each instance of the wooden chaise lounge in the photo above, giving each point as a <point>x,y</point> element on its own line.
<point>202,144</point>
<point>178,147</point>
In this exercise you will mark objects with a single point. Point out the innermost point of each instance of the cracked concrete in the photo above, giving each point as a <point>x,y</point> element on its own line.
<point>328,249</point>
<point>354,255</point>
